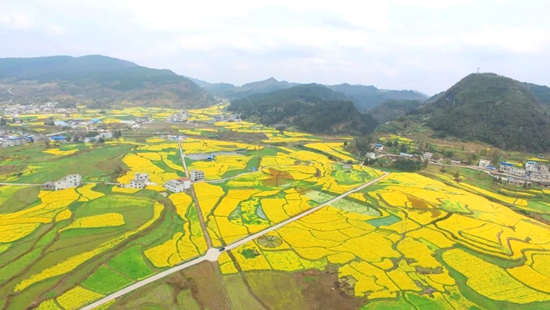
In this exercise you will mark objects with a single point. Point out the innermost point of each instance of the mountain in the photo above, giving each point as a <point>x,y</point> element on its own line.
<point>96,80</point>
<point>392,109</point>
<point>312,108</point>
<point>367,97</point>
<point>234,92</point>
<point>492,109</point>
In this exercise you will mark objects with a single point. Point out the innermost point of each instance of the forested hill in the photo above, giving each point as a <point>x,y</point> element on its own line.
<point>493,109</point>
<point>95,80</point>
<point>312,108</point>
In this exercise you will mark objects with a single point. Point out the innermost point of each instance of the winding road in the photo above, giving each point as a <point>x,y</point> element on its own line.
<point>212,254</point>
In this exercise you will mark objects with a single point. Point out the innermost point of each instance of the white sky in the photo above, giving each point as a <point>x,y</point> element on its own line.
<point>426,45</point>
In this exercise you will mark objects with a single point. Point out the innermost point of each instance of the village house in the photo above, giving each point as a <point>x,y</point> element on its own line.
<point>484,163</point>
<point>378,147</point>
<point>72,180</point>
<point>518,171</point>
<point>371,155</point>
<point>181,116</point>
<point>427,156</point>
<point>136,184</point>
<point>178,185</point>
<point>505,167</point>
<point>197,175</point>
<point>140,180</point>
<point>12,141</point>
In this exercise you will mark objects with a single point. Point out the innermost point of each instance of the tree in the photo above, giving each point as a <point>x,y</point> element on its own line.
<point>457,175</point>
<point>3,121</point>
<point>404,148</point>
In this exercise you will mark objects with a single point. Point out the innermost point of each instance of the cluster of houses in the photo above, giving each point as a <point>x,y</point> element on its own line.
<point>9,140</point>
<point>179,117</point>
<point>227,118</point>
<point>178,185</point>
<point>532,171</point>
<point>140,181</point>
<point>43,108</point>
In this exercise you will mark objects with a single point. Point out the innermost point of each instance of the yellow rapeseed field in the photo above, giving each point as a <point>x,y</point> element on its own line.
<point>490,280</point>
<point>95,221</point>
<point>60,152</point>
<point>77,297</point>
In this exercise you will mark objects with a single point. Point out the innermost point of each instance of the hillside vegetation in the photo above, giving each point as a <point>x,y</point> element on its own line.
<point>96,80</point>
<point>392,109</point>
<point>312,108</point>
<point>492,109</point>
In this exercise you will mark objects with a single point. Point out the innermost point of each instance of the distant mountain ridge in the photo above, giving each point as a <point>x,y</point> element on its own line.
<point>492,109</point>
<point>367,97</point>
<point>311,108</point>
<point>98,80</point>
<point>231,91</point>
<point>364,97</point>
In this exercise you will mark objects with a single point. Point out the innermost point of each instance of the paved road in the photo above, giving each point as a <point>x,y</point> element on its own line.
<point>20,184</point>
<point>212,254</point>
<point>197,205</point>
<point>183,159</point>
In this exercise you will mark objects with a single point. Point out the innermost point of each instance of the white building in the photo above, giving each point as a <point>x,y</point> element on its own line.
<point>483,163</point>
<point>140,180</point>
<point>371,155</point>
<point>178,185</point>
<point>197,175</point>
<point>427,156</point>
<point>136,184</point>
<point>141,176</point>
<point>105,135</point>
<point>517,171</point>
<point>72,180</point>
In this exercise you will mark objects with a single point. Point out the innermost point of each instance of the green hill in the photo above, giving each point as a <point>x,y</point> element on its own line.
<point>312,108</point>
<point>96,80</point>
<point>492,109</point>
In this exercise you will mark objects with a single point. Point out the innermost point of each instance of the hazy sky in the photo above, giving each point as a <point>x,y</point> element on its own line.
<point>426,45</point>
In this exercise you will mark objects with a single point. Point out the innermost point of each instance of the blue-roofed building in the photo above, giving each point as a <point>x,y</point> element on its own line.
<point>95,120</point>
<point>378,147</point>
<point>57,138</point>
<point>491,168</point>
<point>503,163</point>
